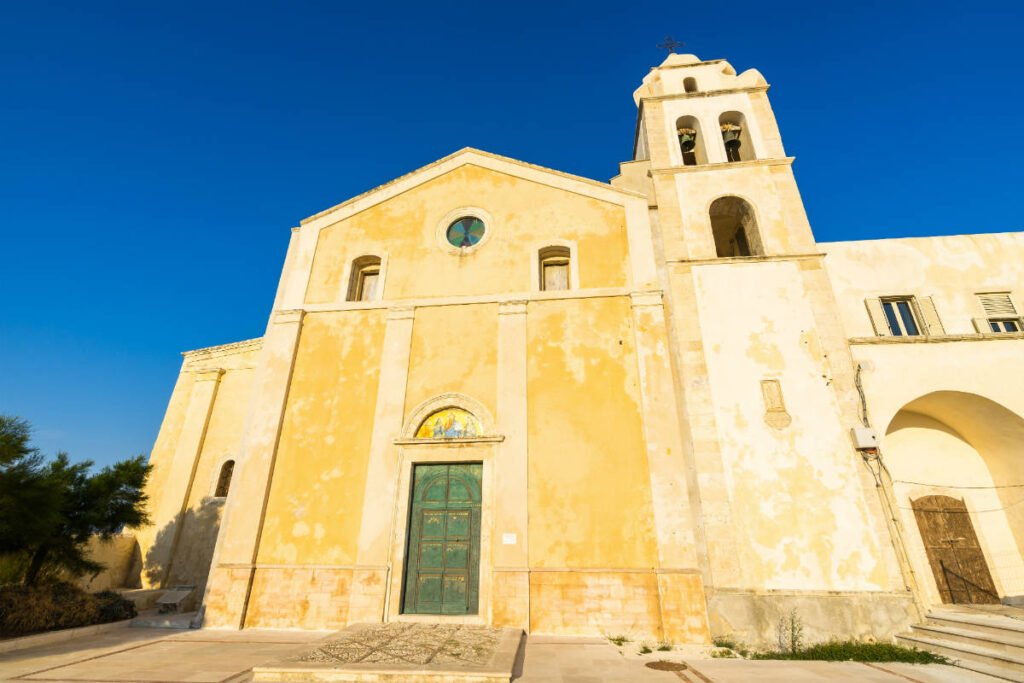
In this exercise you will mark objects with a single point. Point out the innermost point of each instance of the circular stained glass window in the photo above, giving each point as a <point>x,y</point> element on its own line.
<point>465,232</point>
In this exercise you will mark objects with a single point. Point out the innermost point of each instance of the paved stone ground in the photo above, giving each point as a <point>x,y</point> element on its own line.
<point>154,655</point>
<point>162,656</point>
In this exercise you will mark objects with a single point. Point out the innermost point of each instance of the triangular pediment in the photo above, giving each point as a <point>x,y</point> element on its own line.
<point>474,157</point>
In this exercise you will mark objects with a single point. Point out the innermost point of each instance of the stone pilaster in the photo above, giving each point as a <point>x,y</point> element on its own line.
<point>372,573</point>
<point>679,579</point>
<point>227,591</point>
<point>175,492</point>
<point>511,592</point>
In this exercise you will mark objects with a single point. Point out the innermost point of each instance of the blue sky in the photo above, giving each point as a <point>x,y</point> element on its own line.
<point>153,156</point>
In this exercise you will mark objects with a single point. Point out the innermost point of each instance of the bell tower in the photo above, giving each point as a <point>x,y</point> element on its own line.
<point>761,362</point>
<point>708,154</point>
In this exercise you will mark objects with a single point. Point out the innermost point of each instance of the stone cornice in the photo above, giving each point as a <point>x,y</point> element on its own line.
<point>475,157</point>
<point>449,442</point>
<point>725,165</point>
<point>223,349</point>
<point>501,299</point>
<point>936,339</point>
<point>722,260</point>
<point>704,93</point>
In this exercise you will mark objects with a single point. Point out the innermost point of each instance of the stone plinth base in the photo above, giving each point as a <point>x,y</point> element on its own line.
<point>753,617</point>
<point>405,652</point>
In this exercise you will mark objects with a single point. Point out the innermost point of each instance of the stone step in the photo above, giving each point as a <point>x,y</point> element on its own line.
<point>1007,642</point>
<point>993,624</point>
<point>973,657</point>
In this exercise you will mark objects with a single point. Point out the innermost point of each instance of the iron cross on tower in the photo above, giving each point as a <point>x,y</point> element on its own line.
<point>671,44</point>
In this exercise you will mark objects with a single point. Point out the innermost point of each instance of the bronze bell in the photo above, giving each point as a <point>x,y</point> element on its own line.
<point>687,139</point>
<point>731,133</point>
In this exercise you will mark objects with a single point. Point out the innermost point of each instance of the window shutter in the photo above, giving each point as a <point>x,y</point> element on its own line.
<point>877,316</point>
<point>997,304</point>
<point>930,317</point>
<point>981,325</point>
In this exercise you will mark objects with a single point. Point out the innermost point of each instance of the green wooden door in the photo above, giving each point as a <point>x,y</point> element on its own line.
<point>442,566</point>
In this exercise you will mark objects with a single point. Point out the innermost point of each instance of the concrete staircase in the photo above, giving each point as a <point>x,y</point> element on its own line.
<point>985,641</point>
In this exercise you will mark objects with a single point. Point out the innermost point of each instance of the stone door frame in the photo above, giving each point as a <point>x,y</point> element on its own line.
<point>481,451</point>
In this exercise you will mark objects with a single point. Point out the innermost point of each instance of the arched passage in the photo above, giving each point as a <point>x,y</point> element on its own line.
<point>955,446</point>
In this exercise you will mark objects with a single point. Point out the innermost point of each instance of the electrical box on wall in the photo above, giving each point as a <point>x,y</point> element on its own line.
<point>864,438</point>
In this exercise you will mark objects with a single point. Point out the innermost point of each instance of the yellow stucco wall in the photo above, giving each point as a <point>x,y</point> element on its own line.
<point>206,446</point>
<point>589,495</point>
<point>526,215</point>
<point>316,497</point>
<point>454,349</point>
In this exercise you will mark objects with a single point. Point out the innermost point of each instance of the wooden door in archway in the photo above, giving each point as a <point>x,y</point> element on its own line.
<point>955,556</point>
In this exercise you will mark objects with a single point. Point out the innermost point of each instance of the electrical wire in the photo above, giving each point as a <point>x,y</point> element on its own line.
<point>954,486</point>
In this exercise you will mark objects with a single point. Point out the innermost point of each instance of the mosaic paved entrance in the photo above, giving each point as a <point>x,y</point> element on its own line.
<point>405,651</point>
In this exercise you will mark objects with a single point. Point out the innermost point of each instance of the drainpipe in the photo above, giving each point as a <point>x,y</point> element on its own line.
<point>872,458</point>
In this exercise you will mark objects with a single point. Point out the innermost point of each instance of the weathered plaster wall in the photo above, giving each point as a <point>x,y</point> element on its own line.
<point>524,215</point>
<point>202,429</point>
<point>949,415</point>
<point>802,519</point>
<point>950,269</point>
<point>921,453</point>
<point>118,555</point>
<point>585,438</point>
<point>454,349</point>
<point>311,530</point>
<point>944,405</point>
<point>589,495</point>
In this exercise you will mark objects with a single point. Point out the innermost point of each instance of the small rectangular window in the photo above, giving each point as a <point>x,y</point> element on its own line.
<point>554,265</point>
<point>899,314</point>
<point>367,287</point>
<point>1000,313</point>
<point>556,276</point>
<point>1007,325</point>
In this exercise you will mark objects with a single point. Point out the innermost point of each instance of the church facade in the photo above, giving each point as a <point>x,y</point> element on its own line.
<point>491,392</point>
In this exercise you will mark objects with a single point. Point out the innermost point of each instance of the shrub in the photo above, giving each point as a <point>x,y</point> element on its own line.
<point>849,650</point>
<point>113,607</point>
<point>34,609</point>
<point>729,643</point>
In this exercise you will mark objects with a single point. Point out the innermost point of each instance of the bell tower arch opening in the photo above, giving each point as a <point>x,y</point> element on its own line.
<point>736,137</point>
<point>734,228</point>
<point>691,141</point>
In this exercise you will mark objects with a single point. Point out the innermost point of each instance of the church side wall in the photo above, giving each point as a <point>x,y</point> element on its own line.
<point>202,430</point>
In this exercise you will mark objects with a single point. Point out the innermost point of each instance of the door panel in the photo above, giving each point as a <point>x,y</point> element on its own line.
<point>954,553</point>
<point>443,548</point>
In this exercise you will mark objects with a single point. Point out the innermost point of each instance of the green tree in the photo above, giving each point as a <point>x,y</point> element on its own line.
<point>50,510</point>
<point>29,500</point>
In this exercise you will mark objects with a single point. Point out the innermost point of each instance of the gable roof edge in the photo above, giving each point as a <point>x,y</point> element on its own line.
<point>464,152</point>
